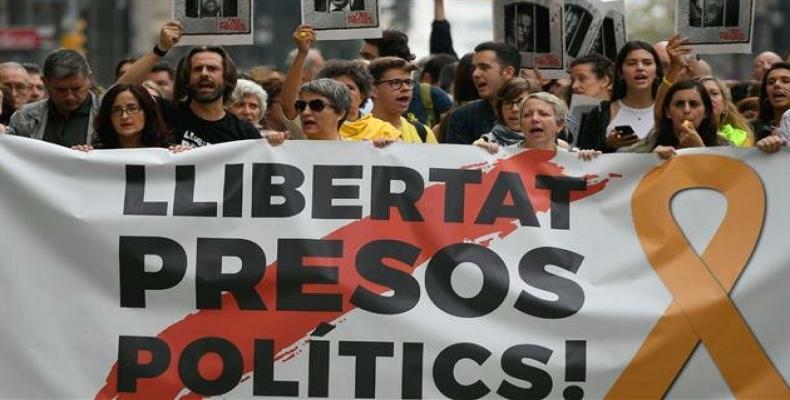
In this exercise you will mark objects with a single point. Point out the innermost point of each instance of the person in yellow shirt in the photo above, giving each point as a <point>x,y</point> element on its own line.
<point>392,93</point>
<point>353,75</point>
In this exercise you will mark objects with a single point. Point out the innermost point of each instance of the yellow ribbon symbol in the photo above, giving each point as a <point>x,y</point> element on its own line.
<point>701,309</point>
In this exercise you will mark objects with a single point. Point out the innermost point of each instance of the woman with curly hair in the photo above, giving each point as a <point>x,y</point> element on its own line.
<point>128,118</point>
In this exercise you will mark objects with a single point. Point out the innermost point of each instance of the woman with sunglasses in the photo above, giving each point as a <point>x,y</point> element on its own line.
<point>129,118</point>
<point>323,105</point>
<point>353,74</point>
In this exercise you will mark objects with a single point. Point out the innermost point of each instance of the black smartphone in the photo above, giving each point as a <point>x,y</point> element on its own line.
<point>624,131</point>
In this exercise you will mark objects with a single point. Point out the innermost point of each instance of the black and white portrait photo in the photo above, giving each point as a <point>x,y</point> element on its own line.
<point>342,19</point>
<point>578,22</point>
<point>339,5</point>
<point>535,29</point>
<point>526,28</point>
<point>211,8</point>
<point>610,35</point>
<point>716,26</point>
<point>215,22</point>
<point>714,13</point>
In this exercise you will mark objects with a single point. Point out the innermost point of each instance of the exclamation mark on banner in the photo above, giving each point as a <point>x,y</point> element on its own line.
<point>575,368</point>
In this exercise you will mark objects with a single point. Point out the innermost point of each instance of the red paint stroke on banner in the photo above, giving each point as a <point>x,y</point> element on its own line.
<point>288,327</point>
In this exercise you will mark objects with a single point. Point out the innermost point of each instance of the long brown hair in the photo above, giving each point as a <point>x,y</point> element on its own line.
<point>229,74</point>
<point>155,132</point>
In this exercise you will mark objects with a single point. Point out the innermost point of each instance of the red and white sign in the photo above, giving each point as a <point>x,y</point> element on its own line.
<point>22,38</point>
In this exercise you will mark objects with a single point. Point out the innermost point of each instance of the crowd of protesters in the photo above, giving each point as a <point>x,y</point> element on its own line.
<point>653,98</point>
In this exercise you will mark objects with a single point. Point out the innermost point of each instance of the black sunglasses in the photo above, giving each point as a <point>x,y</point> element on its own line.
<point>316,105</point>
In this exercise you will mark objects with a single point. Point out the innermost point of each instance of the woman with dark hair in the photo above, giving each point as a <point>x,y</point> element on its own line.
<point>732,125</point>
<point>774,100</point>
<point>592,75</point>
<point>353,75</point>
<point>687,120</point>
<point>637,76</point>
<point>464,89</point>
<point>128,118</point>
<point>507,129</point>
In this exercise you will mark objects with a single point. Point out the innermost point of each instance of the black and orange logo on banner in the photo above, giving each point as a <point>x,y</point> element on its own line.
<point>701,309</point>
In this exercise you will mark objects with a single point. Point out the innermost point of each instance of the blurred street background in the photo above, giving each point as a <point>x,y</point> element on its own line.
<point>108,30</point>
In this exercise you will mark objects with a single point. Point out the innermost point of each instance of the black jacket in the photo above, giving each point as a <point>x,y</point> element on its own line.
<point>592,129</point>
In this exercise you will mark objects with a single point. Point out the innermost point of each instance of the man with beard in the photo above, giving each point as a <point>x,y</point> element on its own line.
<point>205,79</point>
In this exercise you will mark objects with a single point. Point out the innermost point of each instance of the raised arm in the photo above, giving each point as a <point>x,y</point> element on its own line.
<point>304,37</point>
<point>169,35</point>
<point>441,39</point>
<point>438,10</point>
<point>678,49</point>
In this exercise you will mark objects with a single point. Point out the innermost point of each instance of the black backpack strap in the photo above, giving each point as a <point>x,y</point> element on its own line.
<point>421,131</point>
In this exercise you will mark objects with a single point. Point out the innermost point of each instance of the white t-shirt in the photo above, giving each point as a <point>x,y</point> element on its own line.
<point>784,126</point>
<point>640,119</point>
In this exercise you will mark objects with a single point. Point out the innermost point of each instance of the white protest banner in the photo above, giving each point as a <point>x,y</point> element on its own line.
<point>716,26</point>
<point>535,28</point>
<point>415,271</point>
<point>215,22</point>
<point>342,19</point>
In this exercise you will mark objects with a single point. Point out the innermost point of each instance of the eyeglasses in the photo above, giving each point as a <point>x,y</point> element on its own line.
<point>396,84</point>
<point>316,105</point>
<point>130,109</point>
<point>19,88</point>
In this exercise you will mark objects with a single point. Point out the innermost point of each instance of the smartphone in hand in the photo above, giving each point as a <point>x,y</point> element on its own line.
<point>625,132</point>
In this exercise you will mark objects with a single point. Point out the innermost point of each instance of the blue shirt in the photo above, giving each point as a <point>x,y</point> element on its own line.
<point>441,104</point>
<point>470,121</point>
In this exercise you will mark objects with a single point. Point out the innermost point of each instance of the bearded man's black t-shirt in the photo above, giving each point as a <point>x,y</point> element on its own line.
<point>189,129</point>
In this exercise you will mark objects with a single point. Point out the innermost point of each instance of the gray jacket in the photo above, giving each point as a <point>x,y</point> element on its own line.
<point>31,120</point>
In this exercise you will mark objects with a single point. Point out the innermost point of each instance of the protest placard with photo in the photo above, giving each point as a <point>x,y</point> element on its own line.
<point>342,19</point>
<point>611,30</point>
<point>215,22</point>
<point>581,19</point>
<point>535,28</point>
<point>716,26</point>
<point>581,104</point>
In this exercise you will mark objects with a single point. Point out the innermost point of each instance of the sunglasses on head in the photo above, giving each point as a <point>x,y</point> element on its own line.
<point>316,105</point>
